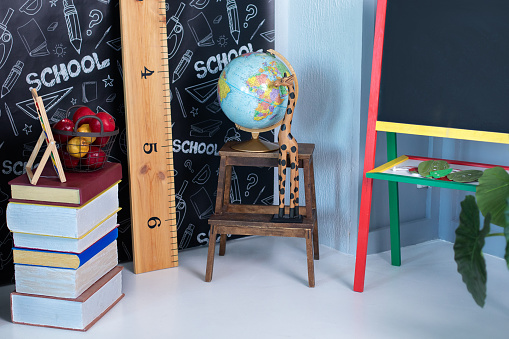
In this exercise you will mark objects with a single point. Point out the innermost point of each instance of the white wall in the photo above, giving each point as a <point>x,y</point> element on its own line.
<point>323,42</point>
<point>329,43</point>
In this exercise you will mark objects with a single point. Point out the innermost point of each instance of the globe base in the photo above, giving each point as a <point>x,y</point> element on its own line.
<point>255,145</point>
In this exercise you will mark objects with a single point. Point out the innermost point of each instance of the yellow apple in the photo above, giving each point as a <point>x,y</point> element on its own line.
<point>85,128</point>
<point>77,147</point>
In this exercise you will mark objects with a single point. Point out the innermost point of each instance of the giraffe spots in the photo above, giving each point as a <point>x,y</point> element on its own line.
<point>296,200</point>
<point>296,189</point>
<point>292,196</point>
<point>282,191</point>
<point>292,165</point>
<point>283,127</point>
<point>297,178</point>
<point>289,111</point>
<point>283,147</point>
<point>294,149</point>
<point>292,95</point>
<point>283,162</point>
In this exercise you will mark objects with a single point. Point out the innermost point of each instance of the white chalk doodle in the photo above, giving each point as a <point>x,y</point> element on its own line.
<point>97,18</point>
<point>252,179</point>
<point>31,7</point>
<point>252,12</point>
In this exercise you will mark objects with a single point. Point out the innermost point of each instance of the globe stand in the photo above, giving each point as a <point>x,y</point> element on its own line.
<point>256,144</point>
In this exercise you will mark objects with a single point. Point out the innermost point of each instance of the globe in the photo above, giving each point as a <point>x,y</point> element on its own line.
<point>246,92</point>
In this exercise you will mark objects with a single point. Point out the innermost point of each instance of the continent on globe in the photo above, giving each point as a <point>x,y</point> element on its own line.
<point>270,96</point>
<point>222,88</point>
<point>246,92</point>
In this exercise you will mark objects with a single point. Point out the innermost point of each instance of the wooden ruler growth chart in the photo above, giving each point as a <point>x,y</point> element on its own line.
<point>149,134</point>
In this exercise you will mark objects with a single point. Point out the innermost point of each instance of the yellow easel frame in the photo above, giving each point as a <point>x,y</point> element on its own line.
<point>51,148</point>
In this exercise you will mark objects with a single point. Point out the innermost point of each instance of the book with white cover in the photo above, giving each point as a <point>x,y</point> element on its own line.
<point>61,220</point>
<point>65,282</point>
<point>65,244</point>
<point>77,314</point>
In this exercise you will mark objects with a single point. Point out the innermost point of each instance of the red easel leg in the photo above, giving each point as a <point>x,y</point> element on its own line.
<point>362,235</point>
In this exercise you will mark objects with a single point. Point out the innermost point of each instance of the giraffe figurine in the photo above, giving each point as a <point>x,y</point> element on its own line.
<point>288,151</point>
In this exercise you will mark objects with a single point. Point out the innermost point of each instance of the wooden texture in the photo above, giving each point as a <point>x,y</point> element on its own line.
<point>392,153</point>
<point>370,149</point>
<point>148,120</point>
<point>241,219</point>
<point>51,148</point>
<point>288,151</point>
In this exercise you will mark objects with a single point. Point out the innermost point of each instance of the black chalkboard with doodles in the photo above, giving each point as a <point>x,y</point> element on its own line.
<point>70,52</point>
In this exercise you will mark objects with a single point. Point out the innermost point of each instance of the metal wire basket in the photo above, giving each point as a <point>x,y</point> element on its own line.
<point>84,151</point>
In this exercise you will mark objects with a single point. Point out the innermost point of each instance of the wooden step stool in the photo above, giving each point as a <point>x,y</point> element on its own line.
<point>239,219</point>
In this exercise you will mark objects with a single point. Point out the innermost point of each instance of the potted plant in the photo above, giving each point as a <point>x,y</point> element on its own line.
<point>491,198</point>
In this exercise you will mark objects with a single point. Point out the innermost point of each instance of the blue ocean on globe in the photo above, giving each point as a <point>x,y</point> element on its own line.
<point>246,93</point>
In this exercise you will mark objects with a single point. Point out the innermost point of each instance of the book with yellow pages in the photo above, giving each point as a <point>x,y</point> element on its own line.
<point>79,187</point>
<point>38,257</point>
<point>65,282</point>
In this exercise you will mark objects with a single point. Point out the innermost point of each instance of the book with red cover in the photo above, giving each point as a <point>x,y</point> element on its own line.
<point>79,188</point>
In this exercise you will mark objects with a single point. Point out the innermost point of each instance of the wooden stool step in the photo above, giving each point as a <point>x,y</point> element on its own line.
<point>241,219</point>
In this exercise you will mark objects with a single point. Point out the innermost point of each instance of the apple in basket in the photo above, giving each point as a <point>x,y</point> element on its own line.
<point>108,124</point>
<point>94,159</point>
<point>63,125</point>
<point>77,147</point>
<point>67,159</point>
<point>85,128</point>
<point>81,112</point>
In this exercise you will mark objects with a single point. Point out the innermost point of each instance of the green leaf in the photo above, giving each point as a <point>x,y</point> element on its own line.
<point>492,194</point>
<point>506,234</point>
<point>431,165</point>
<point>465,176</point>
<point>468,249</point>
<point>440,173</point>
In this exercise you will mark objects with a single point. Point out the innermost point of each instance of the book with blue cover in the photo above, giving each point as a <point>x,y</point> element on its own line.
<point>38,257</point>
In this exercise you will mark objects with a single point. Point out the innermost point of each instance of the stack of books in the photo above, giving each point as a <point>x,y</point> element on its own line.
<point>65,255</point>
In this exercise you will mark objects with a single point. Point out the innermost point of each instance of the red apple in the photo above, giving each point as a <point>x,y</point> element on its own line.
<point>66,159</point>
<point>63,125</point>
<point>94,159</point>
<point>108,126</point>
<point>82,112</point>
<point>107,121</point>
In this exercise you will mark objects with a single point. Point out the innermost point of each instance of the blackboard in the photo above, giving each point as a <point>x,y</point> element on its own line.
<point>204,36</point>
<point>446,64</point>
<point>83,65</point>
<point>77,66</point>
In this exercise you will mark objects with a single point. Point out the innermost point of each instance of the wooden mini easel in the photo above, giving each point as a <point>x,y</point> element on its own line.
<point>51,148</point>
